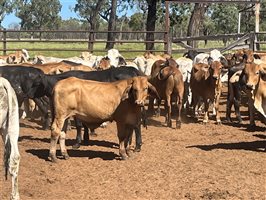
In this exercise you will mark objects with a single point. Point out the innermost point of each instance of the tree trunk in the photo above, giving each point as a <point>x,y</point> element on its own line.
<point>91,36</point>
<point>150,25</point>
<point>195,22</point>
<point>111,26</point>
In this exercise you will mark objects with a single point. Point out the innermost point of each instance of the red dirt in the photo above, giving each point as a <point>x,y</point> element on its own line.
<point>196,162</point>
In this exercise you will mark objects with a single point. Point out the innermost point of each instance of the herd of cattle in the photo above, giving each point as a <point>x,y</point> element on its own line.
<point>96,89</point>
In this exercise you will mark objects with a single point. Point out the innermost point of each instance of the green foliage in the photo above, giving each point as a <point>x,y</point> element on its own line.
<point>135,22</point>
<point>225,18</point>
<point>39,14</point>
<point>6,7</point>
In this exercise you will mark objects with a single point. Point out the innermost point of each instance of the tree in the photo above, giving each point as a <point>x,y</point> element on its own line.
<point>6,7</point>
<point>39,14</point>
<point>111,25</point>
<point>195,22</point>
<point>150,23</point>
<point>89,10</point>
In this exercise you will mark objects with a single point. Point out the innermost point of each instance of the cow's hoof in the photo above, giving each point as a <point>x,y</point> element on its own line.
<point>124,157</point>
<point>52,158</point>
<point>129,153</point>
<point>65,155</point>
<point>204,122</point>
<point>228,120</point>
<point>86,142</point>
<point>239,121</point>
<point>178,125</point>
<point>137,148</point>
<point>169,124</point>
<point>93,135</point>
<point>251,127</point>
<point>76,146</point>
<point>219,122</point>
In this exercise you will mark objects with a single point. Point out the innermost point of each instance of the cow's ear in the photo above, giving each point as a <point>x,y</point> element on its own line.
<point>152,91</point>
<point>263,72</point>
<point>245,57</point>
<point>256,56</point>
<point>224,62</point>
<point>125,94</point>
<point>210,60</point>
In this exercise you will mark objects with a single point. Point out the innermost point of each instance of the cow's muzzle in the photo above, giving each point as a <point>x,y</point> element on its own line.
<point>140,102</point>
<point>215,77</point>
<point>250,87</point>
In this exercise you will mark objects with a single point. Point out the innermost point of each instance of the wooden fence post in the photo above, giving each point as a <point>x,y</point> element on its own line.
<point>4,42</point>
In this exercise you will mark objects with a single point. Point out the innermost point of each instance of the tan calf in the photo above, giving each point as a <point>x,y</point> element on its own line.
<point>205,83</point>
<point>256,89</point>
<point>94,103</point>
<point>168,81</point>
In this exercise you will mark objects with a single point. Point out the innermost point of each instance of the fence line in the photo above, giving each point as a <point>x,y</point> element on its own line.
<point>249,40</point>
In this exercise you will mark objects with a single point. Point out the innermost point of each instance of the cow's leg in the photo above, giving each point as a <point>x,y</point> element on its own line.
<point>251,110</point>
<point>78,137</point>
<point>86,136</point>
<point>179,107</point>
<point>216,107</point>
<point>229,103</point>
<point>168,119</point>
<point>14,164</point>
<point>206,109</point>
<point>121,133</point>
<point>158,111</point>
<point>151,105</point>
<point>237,100</point>
<point>62,140</point>
<point>44,110</point>
<point>55,133</point>
<point>128,132</point>
<point>138,138</point>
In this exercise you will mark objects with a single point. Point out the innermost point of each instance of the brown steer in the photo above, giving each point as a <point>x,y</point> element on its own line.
<point>256,84</point>
<point>168,81</point>
<point>94,103</point>
<point>205,83</point>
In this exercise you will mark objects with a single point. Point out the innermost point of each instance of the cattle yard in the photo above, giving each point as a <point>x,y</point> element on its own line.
<point>195,162</point>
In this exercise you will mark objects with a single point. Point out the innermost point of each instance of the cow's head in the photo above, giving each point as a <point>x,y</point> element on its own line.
<point>253,73</point>
<point>215,68</point>
<point>104,63</point>
<point>245,55</point>
<point>36,86</point>
<point>140,88</point>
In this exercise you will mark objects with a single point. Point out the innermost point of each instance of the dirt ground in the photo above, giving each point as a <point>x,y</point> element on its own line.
<point>196,162</point>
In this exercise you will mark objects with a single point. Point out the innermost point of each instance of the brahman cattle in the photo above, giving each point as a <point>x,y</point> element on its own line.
<point>237,80</point>
<point>205,83</point>
<point>168,81</point>
<point>256,89</point>
<point>15,58</point>
<point>101,104</point>
<point>185,66</point>
<point>9,130</point>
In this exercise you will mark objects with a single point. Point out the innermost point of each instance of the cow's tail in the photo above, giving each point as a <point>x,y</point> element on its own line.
<point>7,154</point>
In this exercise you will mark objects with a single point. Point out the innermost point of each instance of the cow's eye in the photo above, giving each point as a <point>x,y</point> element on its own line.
<point>257,73</point>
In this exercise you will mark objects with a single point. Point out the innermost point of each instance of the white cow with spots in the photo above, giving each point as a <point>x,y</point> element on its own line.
<point>9,129</point>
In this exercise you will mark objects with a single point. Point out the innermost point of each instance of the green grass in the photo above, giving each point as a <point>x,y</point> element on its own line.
<point>98,46</point>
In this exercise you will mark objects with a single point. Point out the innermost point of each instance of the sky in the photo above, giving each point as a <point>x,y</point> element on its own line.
<point>65,13</point>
